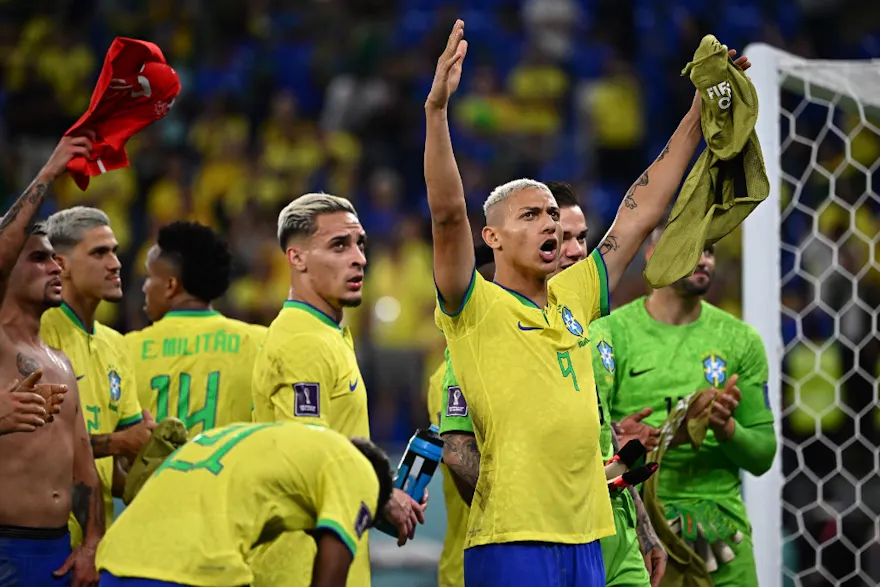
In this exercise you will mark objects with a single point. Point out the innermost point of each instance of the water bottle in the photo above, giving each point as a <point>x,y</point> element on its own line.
<point>417,466</point>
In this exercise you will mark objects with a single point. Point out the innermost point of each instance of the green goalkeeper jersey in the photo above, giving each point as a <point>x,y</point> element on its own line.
<point>656,364</point>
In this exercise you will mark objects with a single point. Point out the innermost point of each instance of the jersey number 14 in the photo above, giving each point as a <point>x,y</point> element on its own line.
<point>206,415</point>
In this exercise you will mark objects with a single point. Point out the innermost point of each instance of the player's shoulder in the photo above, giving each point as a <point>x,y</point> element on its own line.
<point>54,327</point>
<point>298,321</point>
<point>719,318</point>
<point>109,334</point>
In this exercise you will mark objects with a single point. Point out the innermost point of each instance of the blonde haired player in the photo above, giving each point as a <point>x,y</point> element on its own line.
<point>198,517</point>
<point>307,370</point>
<point>520,348</point>
<point>193,363</point>
<point>85,248</point>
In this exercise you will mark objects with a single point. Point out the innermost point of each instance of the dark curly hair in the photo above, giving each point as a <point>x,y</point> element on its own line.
<point>382,466</point>
<point>202,257</point>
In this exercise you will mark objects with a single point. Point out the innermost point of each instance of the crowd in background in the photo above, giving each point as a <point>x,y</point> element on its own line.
<point>283,97</point>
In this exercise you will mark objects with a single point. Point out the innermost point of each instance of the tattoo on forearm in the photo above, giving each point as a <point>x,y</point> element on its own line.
<point>467,458</point>
<point>608,245</point>
<point>101,445</point>
<point>663,152</point>
<point>34,196</point>
<point>80,501</point>
<point>25,365</point>
<point>628,200</point>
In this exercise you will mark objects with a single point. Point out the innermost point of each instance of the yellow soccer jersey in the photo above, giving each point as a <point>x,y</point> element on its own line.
<point>197,518</point>
<point>195,365</point>
<point>528,380</point>
<point>450,571</point>
<point>307,371</point>
<point>106,382</point>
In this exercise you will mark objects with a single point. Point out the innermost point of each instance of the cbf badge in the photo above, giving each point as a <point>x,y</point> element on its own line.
<point>456,405</point>
<point>571,322</point>
<point>115,385</point>
<point>715,370</point>
<point>607,355</point>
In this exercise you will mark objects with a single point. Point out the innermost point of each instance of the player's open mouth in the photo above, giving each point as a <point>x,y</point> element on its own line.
<point>355,283</point>
<point>548,250</point>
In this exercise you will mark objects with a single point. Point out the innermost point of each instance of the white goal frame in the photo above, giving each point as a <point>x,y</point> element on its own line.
<point>762,308</point>
<point>761,270</point>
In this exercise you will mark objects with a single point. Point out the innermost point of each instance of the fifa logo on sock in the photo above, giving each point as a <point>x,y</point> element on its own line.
<point>720,92</point>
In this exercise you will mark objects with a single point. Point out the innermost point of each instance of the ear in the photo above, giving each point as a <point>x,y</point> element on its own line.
<point>490,237</point>
<point>173,287</point>
<point>296,256</point>
<point>63,262</point>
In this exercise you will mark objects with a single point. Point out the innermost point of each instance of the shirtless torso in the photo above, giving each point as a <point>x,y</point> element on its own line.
<point>36,469</point>
<point>48,472</point>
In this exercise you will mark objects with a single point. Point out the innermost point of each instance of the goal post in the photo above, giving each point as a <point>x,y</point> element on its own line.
<point>810,269</point>
<point>762,309</point>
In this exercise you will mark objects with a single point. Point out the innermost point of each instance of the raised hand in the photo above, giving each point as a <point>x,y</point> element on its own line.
<point>21,408</point>
<point>448,74</point>
<point>742,62</point>
<point>67,149</point>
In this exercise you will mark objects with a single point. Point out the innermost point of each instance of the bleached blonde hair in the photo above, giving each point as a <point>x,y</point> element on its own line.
<point>504,191</point>
<point>300,217</point>
<point>67,228</point>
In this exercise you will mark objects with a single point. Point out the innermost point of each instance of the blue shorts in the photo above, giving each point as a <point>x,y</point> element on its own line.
<point>108,580</point>
<point>533,564</point>
<point>29,556</point>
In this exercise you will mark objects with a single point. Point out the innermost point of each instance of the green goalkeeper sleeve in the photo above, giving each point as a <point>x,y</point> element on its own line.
<point>752,447</point>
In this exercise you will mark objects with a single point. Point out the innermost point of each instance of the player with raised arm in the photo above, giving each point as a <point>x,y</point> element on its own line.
<point>541,501</point>
<point>49,473</point>
<point>85,248</point>
<point>307,369</point>
<point>192,363</point>
<point>672,344</point>
<point>634,536</point>
<point>212,501</point>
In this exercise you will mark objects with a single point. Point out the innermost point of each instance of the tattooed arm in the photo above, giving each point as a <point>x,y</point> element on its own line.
<point>645,203</point>
<point>461,455</point>
<point>122,443</point>
<point>16,224</point>
<point>649,543</point>
<point>88,502</point>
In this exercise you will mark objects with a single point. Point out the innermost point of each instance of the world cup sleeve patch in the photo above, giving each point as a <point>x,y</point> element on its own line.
<point>307,400</point>
<point>766,395</point>
<point>363,521</point>
<point>456,405</point>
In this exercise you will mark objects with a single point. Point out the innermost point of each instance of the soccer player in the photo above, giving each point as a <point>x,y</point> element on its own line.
<point>519,348</point>
<point>85,248</point>
<point>196,520</point>
<point>622,551</point>
<point>307,369</point>
<point>49,473</point>
<point>192,363</point>
<point>670,345</point>
<point>450,571</point>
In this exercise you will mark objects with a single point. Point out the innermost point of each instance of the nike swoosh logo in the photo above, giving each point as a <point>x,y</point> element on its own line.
<point>527,328</point>
<point>80,377</point>
<point>353,386</point>
<point>634,373</point>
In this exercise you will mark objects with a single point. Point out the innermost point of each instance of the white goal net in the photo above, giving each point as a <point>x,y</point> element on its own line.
<point>811,285</point>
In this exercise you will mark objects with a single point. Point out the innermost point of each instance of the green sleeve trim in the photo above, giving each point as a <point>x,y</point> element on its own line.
<point>130,421</point>
<point>450,424</point>
<point>604,287</point>
<point>337,529</point>
<point>467,296</point>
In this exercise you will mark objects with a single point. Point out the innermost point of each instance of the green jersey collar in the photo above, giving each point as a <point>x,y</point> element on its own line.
<point>73,317</point>
<point>305,307</point>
